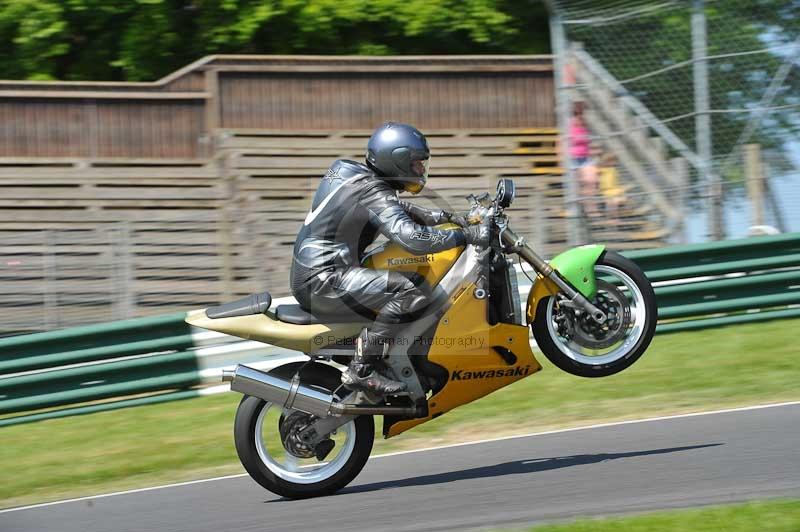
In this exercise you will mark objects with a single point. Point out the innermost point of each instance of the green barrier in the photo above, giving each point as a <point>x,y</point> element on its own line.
<point>96,362</point>
<point>152,384</point>
<point>693,255</point>
<point>85,344</point>
<point>57,379</point>
<point>99,381</point>
<point>732,305</point>
<point>720,268</point>
<point>753,286</point>
<point>736,319</point>
<point>735,287</point>
<point>91,354</point>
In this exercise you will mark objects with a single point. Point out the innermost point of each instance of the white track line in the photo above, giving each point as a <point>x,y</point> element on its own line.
<point>545,433</point>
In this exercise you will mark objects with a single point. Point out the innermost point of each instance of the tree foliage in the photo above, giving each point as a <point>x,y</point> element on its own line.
<point>146,39</point>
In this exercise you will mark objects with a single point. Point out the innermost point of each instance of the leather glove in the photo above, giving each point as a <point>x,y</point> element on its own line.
<point>479,235</point>
<point>460,219</point>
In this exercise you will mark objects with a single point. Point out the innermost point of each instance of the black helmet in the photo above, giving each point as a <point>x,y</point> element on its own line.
<point>399,154</point>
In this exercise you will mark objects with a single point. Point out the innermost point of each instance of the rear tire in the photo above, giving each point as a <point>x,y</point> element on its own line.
<point>582,366</point>
<point>246,433</point>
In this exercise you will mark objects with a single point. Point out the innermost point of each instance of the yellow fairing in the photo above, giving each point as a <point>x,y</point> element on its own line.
<point>432,266</point>
<point>463,344</point>
<point>542,288</point>
<point>266,328</point>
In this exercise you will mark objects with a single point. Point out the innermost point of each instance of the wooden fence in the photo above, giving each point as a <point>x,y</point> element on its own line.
<point>177,115</point>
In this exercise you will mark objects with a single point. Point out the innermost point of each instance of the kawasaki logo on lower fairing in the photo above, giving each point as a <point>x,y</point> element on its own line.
<point>462,375</point>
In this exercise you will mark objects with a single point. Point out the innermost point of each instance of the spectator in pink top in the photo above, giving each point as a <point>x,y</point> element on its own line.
<point>579,142</point>
<point>580,151</point>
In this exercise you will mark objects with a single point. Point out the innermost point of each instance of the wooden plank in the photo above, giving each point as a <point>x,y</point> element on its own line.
<point>105,95</point>
<point>365,133</point>
<point>105,205</point>
<point>94,195</point>
<point>102,162</point>
<point>317,173</point>
<point>146,161</point>
<point>306,186</point>
<point>387,69</point>
<point>545,150</point>
<point>44,183</point>
<point>356,153</point>
<point>14,230</point>
<point>359,143</point>
<point>88,218</point>
<point>108,173</point>
<point>322,163</point>
<point>92,250</point>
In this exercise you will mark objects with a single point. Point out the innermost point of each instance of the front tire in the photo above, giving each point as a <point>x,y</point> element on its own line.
<point>257,420</point>
<point>577,346</point>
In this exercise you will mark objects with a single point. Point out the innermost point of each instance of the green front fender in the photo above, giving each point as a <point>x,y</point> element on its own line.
<point>577,266</point>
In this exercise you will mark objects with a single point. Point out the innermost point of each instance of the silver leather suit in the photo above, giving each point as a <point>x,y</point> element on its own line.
<point>351,207</point>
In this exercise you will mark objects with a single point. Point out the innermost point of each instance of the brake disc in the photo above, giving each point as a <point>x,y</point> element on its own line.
<point>588,333</point>
<point>289,428</point>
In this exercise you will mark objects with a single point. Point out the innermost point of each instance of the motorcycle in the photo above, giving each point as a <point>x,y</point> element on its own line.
<point>299,433</point>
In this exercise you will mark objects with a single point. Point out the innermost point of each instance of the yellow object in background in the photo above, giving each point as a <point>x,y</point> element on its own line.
<point>609,182</point>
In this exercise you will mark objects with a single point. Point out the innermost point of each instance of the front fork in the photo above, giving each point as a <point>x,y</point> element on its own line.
<point>513,242</point>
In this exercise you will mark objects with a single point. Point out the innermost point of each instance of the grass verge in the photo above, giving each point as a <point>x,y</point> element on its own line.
<point>172,442</point>
<point>772,516</point>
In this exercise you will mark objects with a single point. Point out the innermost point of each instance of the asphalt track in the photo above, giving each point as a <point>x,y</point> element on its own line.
<point>666,463</point>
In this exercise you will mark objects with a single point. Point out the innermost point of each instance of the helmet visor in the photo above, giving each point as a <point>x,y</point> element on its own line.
<point>419,168</point>
<point>419,171</point>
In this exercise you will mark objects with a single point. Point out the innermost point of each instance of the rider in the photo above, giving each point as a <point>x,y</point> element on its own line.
<point>353,204</point>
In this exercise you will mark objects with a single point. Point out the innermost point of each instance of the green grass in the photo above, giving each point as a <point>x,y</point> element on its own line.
<point>171,442</point>
<point>773,516</point>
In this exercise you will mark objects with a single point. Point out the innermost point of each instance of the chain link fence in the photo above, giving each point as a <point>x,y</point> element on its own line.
<point>713,83</point>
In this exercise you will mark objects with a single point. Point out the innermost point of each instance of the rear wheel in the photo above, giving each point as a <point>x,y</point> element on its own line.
<point>265,437</point>
<point>574,342</point>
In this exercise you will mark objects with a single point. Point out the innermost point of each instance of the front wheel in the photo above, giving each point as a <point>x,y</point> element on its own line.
<point>264,434</point>
<point>577,344</point>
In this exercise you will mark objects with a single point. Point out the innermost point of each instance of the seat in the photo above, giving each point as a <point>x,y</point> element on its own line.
<point>254,304</point>
<point>297,315</point>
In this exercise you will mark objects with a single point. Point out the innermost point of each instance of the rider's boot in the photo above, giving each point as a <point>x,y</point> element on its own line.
<point>362,375</point>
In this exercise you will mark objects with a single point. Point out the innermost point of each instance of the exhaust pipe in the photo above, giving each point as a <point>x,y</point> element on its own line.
<point>292,394</point>
<point>289,394</point>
